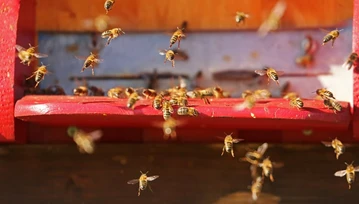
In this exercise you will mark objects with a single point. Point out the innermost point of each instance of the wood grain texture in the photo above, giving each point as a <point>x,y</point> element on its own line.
<point>141,15</point>
<point>107,112</point>
<point>9,13</point>
<point>59,174</point>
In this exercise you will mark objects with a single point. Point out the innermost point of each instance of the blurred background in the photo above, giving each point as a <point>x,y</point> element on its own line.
<point>217,51</point>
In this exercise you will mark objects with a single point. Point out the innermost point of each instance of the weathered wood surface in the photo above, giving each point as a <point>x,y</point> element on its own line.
<point>188,174</point>
<point>141,15</point>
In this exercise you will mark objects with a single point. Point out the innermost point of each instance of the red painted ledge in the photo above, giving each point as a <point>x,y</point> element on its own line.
<point>273,114</point>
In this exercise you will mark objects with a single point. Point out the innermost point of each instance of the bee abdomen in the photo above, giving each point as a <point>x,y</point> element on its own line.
<point>166,115</point>
<point>274,76</point>
<point>39,76</point>
<point>131,102</point>
<point>173,40</point>
<point>108,5</point>
<point>327,38</point>
<point>88,63</point>
<point>182,111</point>
<point>106,34</point>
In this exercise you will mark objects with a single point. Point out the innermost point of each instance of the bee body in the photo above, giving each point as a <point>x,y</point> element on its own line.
<point>149,93</point>
<point>267,167</point>
<point>157,102</point>
<point>189,111</point>
<point>112,34</point>
<point>333,105</point>
<point>331,36</point>
<point>27,55</point>
<point>142,181</point>
<point>108,5</point>
<point>115,92</point>
<point>351,61</point>
<point>349,172</point>
<point>177,35</point>
<point>167,109</point>
<point>132,99</point>
<point>256,187</point>
<point>241,17</point>
<point>296,102</point>
<point>39,74</point>
<point>81,91</point>
<point>90,62</point>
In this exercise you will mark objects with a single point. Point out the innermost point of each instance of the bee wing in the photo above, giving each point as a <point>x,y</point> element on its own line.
<point>262,149</point>
<point>19,48</point>
<point>80,57</point>
<point>191,94</point>
<point>98,60</point>
<point>340,173</point>
<point>40,55</point>
<point>133,181</point>
<point>277,164</point>
<point>95,135</point>
<point>237,140</point>
<point>162,52</point>
<point>347,65</point>
<point>356,169</point>
<point>241,106</point>
<point>151,178</point>
<point>260,72</point>
<point>327,144</point>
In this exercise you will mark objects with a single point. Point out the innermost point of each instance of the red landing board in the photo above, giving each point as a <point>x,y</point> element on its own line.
<point>273,114</point>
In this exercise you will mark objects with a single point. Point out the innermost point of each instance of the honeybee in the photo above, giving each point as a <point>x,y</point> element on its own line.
<point>349,172</point>
<point>296,102</point>
<point>305,60</point>
<point>108,5</point>
<point>90,61</point>
<point>149,93</point>
<point>177,35</point>
<point>202,94</point>
<point>249,102</point>
<point>112,34</point>
<point>256,187</point>
<point>129,91</point>
<point>218,92</point>
<point>255,157</point>
<point>324,93</point>
<point>228,144</point>
<point>271,73</point>
<point>143,181</point>
<point>157,102</point>
<point>115,92</point>
<point>332,36</point>
<point>169,56</point>
<point>262,94</point>
<point>267,167</point>
<point>333,105</point>
<point>352,60</point>
<point>190,111</point>
<point>241,17</point>
<point>273,20</point>
<point>26,55</point>
<point>132,99</point>
<point>39,74</point>
<point>290,95</point>
<point>84,141</point>
<point>81,91</point>
<point>337,145</point>
<point>95,91</point>
<point>167,109</point>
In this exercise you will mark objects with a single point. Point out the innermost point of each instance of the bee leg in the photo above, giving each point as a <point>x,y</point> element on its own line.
<point>139,191</point>
<point>30,76</point>
<point>271,178</point>
<point>83,69</point>
<point>37,83</point>
<point>164,62</point>
<point>232,152</point>
<point>149,187</point>
<point>222,151</point>
<point>337,156</point>
<point>333,42</point>
<point>28,63</point>
<point>93,71</point>
<point>173,63</point>
<point>277,82</point>
<point>179,43</point>
<point>350,186</point>
<point>108,41</point>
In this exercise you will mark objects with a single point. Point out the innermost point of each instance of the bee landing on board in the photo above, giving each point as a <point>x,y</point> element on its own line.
<point>189,111</point>
<point>39,75</point>
<point>167,109</point>
<point>331,36</point>
<point>27,55</point>
<point>324,94</point>
<point>271,73</point>
<point>255,157</point>
<point>296,102</point>
<point>337,145</point>
<point>202,94</point>
<point>349,172</point>
<point>351,61</point>
<point>228,144</point>
<point>143,181</point>
<point>84,141</point>
<point>90,61</point>
<point>108,5</point>
<point>256,187</point>
<point>169,56</point>
<point>241,17</point>
<point>177,35</point>
<point>132,99</point>
<point>112,34</point>
<point>115,92</point>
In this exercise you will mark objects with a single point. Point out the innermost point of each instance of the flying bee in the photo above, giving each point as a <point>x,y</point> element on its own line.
<point>256,187</point>
<point>81,91</point>
<point>132,99</point>
<point>190,111</point>
<point>352,60</point>
<point>90,61</point>
<point>228,144</point>
<point>267,167</point>
<point>167,109</point>
<point>115,92</point>
<point>177,35</point>
<point>84,141</point>
<point>324,93</point>
<point>337,145</point>
<point>39,74</point>
<point>108,5</point>
<point>241,17</point>
<point>331,36</point>
<point>296,102</point>
<point>349,172</point>
<point>255,157</point>
<point>332,104</point>
<point>271,73</point>
<point>26,55</point>
<point>143,181</point>
<point>169,56</point>
<point>112,34</point>
<point>157,102</point>
<point>149,93</point>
